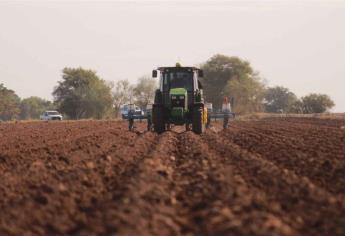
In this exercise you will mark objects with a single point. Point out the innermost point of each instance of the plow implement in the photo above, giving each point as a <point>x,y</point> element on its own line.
<point>212,116</point>
<point>225,116</point>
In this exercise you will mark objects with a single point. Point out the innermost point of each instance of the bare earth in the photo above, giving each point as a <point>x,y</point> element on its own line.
<point>275,176</point>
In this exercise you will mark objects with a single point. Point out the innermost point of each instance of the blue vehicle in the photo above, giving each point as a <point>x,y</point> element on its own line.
<point>135,111</point>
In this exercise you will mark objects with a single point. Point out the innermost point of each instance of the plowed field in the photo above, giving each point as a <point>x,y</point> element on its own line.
<point>278,176</point>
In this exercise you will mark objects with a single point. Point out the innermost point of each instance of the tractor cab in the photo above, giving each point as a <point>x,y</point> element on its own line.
<point>179,81</point>
<point>178,77</point>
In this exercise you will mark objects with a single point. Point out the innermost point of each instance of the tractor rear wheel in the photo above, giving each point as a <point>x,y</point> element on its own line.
<point>198,126</point>
<point>158,119</point>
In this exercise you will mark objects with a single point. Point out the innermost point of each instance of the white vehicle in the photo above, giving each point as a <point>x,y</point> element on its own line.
<point>51,115</point>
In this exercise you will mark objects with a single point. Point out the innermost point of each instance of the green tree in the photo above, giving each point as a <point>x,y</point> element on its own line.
<point>82,94</point>
<point>248,93</point>
<point>219,70</point>
<point>9,104</point>
<point>297,107</point>
<point>279,99</point>
<point>316,103</point>
<point>123,93</point>
<point>33,107</point>
<point>144,91</point>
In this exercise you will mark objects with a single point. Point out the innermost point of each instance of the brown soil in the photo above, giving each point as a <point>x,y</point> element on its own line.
<point>276,176</point>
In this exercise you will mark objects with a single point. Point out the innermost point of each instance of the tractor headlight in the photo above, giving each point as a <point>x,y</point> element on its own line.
<point>173,97</point>
<point>181,97</point>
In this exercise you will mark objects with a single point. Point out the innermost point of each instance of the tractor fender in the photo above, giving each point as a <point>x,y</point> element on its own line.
<point>205,116</point>
<point>202,106</point>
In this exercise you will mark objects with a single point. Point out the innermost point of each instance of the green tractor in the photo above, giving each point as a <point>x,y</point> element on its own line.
<point>179,99</point>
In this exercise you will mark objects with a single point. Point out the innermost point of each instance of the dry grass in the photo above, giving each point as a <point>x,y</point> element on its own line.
<point>67,121</point>
<point>257,116</point>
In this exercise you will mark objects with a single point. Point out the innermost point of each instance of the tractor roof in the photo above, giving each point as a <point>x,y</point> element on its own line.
<point>177,68</point>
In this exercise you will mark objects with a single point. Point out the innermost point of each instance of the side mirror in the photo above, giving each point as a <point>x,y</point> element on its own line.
<point>154,74</point>
<point>200,85</point>
<point>200,73</point>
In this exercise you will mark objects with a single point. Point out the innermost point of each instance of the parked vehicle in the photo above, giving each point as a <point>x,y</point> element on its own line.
<point>51,115</point>
<point>127,107</point>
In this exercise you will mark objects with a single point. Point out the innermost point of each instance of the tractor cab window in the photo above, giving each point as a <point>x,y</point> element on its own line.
<point>195,81</point>
<point>166,81</point>
<point>178,80</point>
<point>52,113</point>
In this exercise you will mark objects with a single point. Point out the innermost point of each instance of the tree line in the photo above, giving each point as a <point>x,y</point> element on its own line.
<point>12,107</point>
<point>234,77</point>
<point>82,94</point>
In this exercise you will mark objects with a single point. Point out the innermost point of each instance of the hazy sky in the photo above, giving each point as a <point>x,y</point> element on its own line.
<point>297,44</point>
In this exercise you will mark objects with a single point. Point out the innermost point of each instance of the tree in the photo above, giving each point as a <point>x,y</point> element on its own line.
<point>317,103</point>
<point>219,70</point>
<point>279,99</point>
<point>144,91</point>
<point>9,104</point>
<point>297,107</point>
<point>123,93</point>
<point>248,94</point>
<point>33,107</point>
<point>82,94</point>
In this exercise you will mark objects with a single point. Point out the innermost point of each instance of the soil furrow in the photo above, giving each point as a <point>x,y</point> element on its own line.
<point>282,176</point>
<point>297,196</point>
<point>318,161</point>
<point>217,200</point>
<point>78,183</point>
<point>146,203</point>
